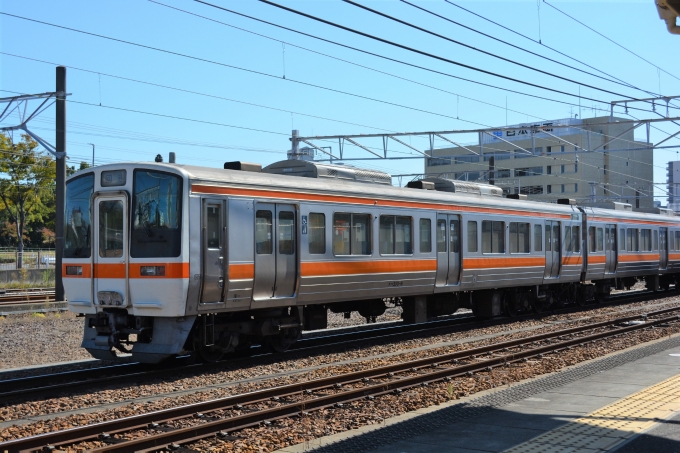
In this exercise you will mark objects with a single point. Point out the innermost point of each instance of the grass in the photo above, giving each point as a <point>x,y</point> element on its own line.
<point>37,315</point>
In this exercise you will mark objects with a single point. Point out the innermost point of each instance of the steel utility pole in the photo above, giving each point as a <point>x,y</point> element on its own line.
<point>92,153</point>
<point>60,147</point>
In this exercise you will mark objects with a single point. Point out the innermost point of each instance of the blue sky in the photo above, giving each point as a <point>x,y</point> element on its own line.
<point>273,105</point>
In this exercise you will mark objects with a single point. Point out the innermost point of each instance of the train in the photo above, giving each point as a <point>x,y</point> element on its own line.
<point>166,260</point>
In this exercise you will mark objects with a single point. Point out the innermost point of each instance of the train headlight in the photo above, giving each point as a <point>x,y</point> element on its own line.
<point>74,270</point>
<point>152,271</point>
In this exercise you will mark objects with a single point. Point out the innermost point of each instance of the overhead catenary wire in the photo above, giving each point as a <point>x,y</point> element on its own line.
<point>544,45</point>
<point>610,40</point>
<point>428,54</point>
<point>476,49</point>
<point>395,60</point>
<point>252,71</point>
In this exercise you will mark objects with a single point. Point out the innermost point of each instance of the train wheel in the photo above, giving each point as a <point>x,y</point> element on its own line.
<point>210,354</point>
<point>283,341</point>
<point>509,305</point>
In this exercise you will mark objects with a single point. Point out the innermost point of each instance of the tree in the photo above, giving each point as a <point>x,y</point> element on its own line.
<point>26,183</point>
<point>72,169</point>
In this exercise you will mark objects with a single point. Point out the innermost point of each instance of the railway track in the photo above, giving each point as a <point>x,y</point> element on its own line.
<point>19,296</point>
<point>171,428</point>
<point>24,388</point>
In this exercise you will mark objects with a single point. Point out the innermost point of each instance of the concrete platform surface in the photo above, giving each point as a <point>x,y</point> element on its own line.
<point>627,401</point>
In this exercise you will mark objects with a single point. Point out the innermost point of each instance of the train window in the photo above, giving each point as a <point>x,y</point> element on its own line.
<point>317,233</point>
<point>622,239</point>
<point>632,240</point>
<point>395,235</point>
<point>441,236</point>
<point>656,240</point>
<point>519,237</point>
<point>567,239</point>
<point>111,228</point>
<point>156,215</point>
<point>493,237</point>
<point>425,235</point>
<point>361,234</point>
<point>286,230</point>
<point>263,233</point>
<point>576,238</point>
<point>548,236</point>
<point>677,240</point>
<point>213,226</point>
<point>454,236</point>
<point>472,236</point>
<point>591,239</point>
<point>351,234</point>
<point>77,219</point>
<point>538,238</point>
<point>600,240</point>
<point>646,240</point>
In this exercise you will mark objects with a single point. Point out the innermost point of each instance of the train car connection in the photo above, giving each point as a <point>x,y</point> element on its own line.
<point>169,259</point>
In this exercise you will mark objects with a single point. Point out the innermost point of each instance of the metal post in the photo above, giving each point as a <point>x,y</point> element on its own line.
<point>492,167</point>
<point>294,144</point>
<point>593,193</point>
<point>92,153</point>
<point>60,146</point>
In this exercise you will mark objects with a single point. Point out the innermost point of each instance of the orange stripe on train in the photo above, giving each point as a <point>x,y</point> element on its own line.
<point>241,271</point>
<point>278,194</point>
<point>320,269</point>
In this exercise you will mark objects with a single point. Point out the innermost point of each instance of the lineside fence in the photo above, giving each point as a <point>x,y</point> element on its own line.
<point>31,258</point>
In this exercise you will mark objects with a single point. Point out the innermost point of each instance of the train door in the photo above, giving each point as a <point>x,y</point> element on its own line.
<point>663,248</point>
<point>213,242</point>
<point>275,251</point>
<point>454,250</point>
<point>610,248</point>
<point>442,251</point>
<point>111,257</point>
<point>448,250</point>
<point>552,249</point>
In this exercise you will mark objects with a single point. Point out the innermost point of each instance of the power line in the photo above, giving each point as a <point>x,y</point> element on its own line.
<point>505,90</point>
<point>427,54</point>
<point>537,42</point>
<point>331,56</point>
<point>608,78</point>
<point>252,71</point>
<point>468,46</point>
<point>610,40</point>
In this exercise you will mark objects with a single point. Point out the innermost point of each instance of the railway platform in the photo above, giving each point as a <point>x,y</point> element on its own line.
<point>627,402</point>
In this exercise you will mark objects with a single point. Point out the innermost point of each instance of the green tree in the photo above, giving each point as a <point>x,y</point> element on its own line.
<point>26,184</point>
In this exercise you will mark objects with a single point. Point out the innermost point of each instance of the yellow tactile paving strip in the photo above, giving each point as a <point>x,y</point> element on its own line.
<point>611,425</point>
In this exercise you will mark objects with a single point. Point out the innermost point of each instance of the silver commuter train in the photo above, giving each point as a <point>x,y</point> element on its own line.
<point>169,259</point>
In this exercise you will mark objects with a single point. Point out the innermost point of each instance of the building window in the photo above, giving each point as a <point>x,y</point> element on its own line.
<point>531,190</point>
<point>425,235</point>
<point>627,163</point>
<point>548,149</point>
<point>576,188</point>
<point>472,236</point>
<point>502,173</point>
<point>466,159</point>
<point>575,168</point>
<point>437,161</point>
<point>519,237</point>
<point>528,171</point>
<point>493,237</point>
<point>561,168</point>
<point>548,170</point>
<point>317,233</point>
<point>498,155</point>
<point>548,188</point>
<point>562,148</point>
<point>562,188</point>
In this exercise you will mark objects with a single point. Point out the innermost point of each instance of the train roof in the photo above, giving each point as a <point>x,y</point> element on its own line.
<point>237,178</point>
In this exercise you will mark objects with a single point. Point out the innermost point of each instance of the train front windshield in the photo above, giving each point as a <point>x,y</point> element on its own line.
<point>156,215</point>
<point>77,228</point>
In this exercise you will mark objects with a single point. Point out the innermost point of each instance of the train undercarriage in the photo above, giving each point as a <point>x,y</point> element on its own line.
<point>211,336</point>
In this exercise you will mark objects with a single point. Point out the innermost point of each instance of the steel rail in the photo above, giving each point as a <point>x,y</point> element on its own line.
<point>151,420</point>
<point>24,387</point>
